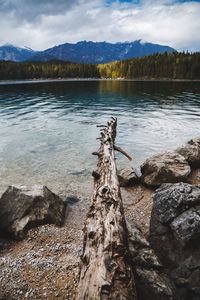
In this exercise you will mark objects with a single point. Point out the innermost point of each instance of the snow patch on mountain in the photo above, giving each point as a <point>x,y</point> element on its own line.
<point>143,42</point>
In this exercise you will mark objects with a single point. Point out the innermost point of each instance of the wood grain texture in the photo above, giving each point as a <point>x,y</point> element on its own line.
<point>105,272</point>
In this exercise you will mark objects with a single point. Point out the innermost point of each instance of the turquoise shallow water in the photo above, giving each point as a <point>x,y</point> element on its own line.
<point>48,129</point>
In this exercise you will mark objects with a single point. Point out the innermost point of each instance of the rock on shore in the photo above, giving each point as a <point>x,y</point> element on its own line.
<point>175,235</point>
<point>191,152</point>
<point>23,207</point>
<point>169,167</point>
<point>152,282</point>
<point>127,177</point>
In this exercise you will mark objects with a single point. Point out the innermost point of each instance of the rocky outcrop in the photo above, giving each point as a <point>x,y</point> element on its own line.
<point>22,207</point>
<point>175,235</point>
<point>151,281</point>
<point>127,177</point>
<point>191,152</point>
<point>169,167</point>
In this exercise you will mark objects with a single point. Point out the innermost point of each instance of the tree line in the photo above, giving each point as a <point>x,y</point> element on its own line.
<point>157,66</point>
<point>51,69</point>
<point>166,66</point>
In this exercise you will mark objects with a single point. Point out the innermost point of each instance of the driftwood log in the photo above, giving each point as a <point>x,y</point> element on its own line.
<point>105,272</point>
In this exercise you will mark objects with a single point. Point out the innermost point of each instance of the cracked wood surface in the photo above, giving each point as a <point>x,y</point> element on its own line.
<point>105,272</point>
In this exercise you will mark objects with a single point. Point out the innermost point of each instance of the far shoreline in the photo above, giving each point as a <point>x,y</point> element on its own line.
<point>42,80</point>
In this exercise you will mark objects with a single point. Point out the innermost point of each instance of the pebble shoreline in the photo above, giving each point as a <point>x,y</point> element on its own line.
<point>45,265</point>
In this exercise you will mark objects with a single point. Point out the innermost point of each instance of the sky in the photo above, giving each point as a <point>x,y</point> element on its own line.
<point>41,24</point>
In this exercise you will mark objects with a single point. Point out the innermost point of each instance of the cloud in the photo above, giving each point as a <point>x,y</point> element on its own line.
<point>42,24</point>
<point>31,9</point>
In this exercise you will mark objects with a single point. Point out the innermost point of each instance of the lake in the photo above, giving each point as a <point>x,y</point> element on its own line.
<point>48,129</point>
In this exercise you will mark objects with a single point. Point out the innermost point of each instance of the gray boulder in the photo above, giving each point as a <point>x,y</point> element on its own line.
<point>127,177</point>
<point>23,207</point>
<point>154,285</point>
<point>175,235</point>
<point>170,200</point>
<point>186,226</point>
<point>168,167</point>
<point>191,152</point>
<point>152,282</point>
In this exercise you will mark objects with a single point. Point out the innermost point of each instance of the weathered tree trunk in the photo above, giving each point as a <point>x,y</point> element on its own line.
<point>105,272</point>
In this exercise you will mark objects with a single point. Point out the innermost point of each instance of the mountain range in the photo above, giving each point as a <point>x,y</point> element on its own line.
<point>84,52</point>
<point>13,53</point>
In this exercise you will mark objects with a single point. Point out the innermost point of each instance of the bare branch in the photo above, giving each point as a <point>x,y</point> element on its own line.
<point>119,149</point>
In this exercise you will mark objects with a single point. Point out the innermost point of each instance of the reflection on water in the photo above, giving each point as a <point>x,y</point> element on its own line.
<point>48,130</point>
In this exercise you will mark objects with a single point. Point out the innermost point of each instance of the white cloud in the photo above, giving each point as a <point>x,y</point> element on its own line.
<point>165,22</point>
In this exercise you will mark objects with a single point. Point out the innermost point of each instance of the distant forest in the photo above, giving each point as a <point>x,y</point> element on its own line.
<point>168,65</point>
<point>158,66</point>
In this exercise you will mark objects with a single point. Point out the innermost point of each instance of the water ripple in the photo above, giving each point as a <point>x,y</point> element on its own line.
<point>48,130</point>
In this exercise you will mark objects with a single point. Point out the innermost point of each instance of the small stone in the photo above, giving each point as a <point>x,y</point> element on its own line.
<point>127,177</point>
